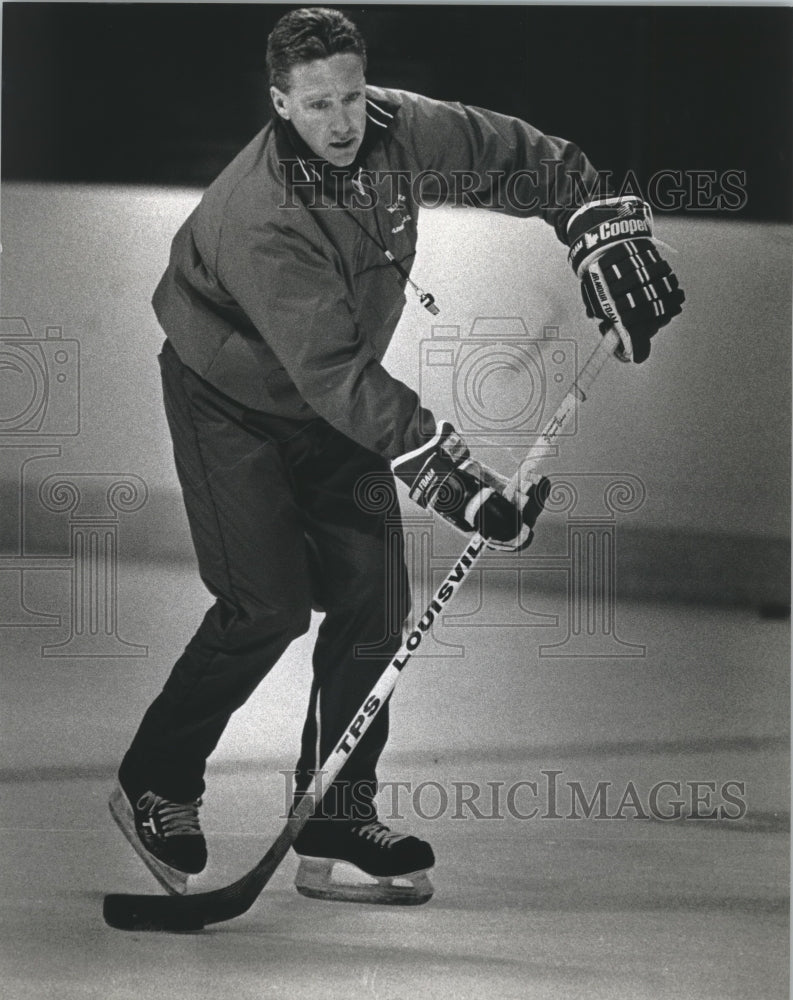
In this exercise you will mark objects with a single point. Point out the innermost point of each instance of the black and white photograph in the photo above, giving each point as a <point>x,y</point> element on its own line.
<point>395,501</point>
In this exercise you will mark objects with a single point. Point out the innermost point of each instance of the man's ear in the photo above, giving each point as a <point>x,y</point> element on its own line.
<point>279,102</point>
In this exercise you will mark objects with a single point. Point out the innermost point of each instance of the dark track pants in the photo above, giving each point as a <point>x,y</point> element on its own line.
<point>277,528</point>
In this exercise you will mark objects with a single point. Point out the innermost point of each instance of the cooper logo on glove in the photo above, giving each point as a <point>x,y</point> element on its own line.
<point>621,219</point>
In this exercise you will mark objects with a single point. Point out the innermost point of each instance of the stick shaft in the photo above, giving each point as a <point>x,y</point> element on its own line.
<point>386,683</point>
<point>576,393</point>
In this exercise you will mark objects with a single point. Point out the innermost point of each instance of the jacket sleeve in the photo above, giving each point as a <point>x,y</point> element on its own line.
<point>293,292</point>
<point>496,162</point>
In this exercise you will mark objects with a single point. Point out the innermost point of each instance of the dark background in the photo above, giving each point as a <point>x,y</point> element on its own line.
<point>168,93</point>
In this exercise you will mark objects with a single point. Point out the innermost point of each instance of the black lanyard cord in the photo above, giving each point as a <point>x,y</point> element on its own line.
<point>425,298</point>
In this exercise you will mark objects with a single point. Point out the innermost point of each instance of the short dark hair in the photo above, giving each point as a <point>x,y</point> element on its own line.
<point>306,34</point>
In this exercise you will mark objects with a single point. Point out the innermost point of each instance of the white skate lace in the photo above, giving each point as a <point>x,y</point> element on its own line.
<point>177,819</point>
<point>379,833</point>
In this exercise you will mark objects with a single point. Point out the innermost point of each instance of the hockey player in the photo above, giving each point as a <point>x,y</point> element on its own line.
<point>283,290</point>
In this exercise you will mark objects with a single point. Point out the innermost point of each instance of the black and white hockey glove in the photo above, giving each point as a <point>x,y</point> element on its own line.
<point>623,276</point>
<point>442,477</point>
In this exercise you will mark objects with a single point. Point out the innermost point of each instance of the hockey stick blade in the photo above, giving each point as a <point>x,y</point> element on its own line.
<point>141,913</point>
<point>181,914</point>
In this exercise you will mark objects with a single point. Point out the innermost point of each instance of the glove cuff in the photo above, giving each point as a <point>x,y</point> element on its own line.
<point>597,225</point>
<point>445,438</point>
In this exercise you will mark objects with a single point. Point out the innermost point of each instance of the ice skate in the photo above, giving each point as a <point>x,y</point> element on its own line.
<point>166,836</point>
<point>362,862</point>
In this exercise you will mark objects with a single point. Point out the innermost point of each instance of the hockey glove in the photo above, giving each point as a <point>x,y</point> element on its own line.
<point>623,276</point>
<point>442,477</point>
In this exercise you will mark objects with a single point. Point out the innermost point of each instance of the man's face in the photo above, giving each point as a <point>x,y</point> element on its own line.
<point>326,102</point>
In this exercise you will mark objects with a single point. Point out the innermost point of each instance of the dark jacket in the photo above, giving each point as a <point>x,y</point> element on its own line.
<point>278,291</point>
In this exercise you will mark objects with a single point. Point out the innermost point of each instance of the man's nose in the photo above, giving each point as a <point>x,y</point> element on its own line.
<point>342,121</point>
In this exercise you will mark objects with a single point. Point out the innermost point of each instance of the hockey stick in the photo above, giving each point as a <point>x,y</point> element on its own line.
<point>193,912</point>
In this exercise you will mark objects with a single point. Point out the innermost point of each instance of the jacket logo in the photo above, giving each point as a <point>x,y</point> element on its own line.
<point>399,214</point>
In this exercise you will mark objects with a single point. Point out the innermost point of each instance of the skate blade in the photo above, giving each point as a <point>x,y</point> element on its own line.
<point>314,879</point>
<point>171,879</point>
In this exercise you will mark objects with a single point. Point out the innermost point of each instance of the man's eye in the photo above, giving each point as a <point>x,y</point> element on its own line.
<point>319,105</point>
<point>352,98</point>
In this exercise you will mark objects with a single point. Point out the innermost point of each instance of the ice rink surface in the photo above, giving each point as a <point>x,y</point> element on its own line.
<point>525,906</point>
